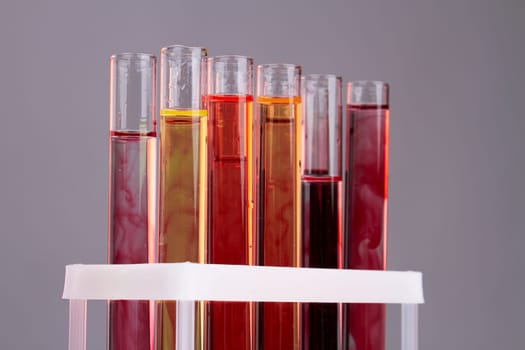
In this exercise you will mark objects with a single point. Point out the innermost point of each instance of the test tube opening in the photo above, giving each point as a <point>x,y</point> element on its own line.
<point>132,92</point>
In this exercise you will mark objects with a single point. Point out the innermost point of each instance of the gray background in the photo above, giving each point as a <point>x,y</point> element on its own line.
<point>457,160</point>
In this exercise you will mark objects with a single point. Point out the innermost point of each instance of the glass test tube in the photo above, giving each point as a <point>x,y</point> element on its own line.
<point>132,190</point>
<point>321,204</point>
<point>278,108</point>
<point>366,203</point>
<point>182,187</point>
<point>230,186</point>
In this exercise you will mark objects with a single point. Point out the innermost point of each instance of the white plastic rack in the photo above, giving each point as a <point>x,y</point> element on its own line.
<point>190,282</point>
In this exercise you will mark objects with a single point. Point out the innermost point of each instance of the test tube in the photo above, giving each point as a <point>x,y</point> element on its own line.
<point>366,203</point>
<point>278,242</point>
<point>321,204</point>
<point>230,186</point>
<point>182,178</point>
<point>132,190</point>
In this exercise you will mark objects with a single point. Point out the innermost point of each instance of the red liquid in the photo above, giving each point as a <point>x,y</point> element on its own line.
<point>230,324</point>
<point>366,213</point>
<point>321,247</point>
<point>131,231</point>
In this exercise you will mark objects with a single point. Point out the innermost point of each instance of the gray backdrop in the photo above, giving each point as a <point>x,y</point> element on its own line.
<point>457,160</point>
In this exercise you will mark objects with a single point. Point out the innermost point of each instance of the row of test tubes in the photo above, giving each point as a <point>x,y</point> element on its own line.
<point>208,181</point>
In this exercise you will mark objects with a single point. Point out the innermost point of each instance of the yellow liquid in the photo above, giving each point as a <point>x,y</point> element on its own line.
<point>280,184</point>
<point>182,206</point>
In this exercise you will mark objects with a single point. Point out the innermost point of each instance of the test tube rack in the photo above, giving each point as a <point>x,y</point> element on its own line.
<point>189,282</point>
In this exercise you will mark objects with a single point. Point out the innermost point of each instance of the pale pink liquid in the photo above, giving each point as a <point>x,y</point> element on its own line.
<point>131,231</point>
<point>366,210</point>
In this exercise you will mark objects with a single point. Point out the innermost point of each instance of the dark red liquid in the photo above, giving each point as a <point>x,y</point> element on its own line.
<point>131,231</point>
<point>230,324</point>
<point>321,247</point>
<point>366,220</point>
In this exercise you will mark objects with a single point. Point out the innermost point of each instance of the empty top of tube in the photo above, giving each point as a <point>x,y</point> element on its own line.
<point>370,83</point>
<point>368,92</point>
<point>232,56</point>
<point>184,50</point>
<point>323,76</point>
<point>278,80</point>
<point>230,59</point>
<point>230,75</point>
<point>130,55</point>
<point>279,66</point>
<point>322,79</point>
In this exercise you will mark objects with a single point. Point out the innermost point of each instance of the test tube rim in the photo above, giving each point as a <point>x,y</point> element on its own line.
<point>280,66</point>
<point>184,50</point>
<point>129,55</point>
<point>322,75</point>
<point>214,58</point>
<point>376,83</point>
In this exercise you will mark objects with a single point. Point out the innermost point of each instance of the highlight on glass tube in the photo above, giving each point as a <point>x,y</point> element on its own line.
<point>182,178</point>
<point>230,186</point>
<point>366,203</point>
<point>321,203</point>
<point>278,242</point>
<point>132,190</point>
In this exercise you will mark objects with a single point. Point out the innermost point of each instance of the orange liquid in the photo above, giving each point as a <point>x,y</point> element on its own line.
<point>182,211</point>
<point>279,212</point>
